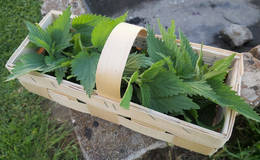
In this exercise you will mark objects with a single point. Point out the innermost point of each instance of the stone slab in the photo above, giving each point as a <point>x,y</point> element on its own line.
<point>101,139</point>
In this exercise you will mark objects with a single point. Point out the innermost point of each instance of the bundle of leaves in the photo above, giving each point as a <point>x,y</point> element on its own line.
<point>67,46</point>
<point>165,77</point>
<point>179,83</point>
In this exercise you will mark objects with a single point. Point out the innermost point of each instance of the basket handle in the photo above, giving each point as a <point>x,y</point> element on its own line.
<point>113,59</point>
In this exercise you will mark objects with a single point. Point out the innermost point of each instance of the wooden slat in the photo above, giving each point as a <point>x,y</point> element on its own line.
<point>195,147</point>
<point>146,130</point>
<point>109,116</point>
<point>42,91</point>
<point>137,112</point>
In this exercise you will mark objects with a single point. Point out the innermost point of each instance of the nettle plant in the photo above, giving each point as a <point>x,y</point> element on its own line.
<point>166,77</point>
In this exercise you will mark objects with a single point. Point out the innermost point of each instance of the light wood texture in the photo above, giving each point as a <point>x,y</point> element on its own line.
<point>137,118</point>
<point>113,59</point>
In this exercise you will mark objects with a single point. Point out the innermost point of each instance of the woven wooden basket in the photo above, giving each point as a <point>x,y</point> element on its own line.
<point>104,103</point>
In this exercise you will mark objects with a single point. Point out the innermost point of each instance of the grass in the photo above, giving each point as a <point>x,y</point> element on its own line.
<point>244,143</point>
<point>26,131</point>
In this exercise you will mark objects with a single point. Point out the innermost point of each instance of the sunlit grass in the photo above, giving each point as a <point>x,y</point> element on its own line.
<point>26,131</point>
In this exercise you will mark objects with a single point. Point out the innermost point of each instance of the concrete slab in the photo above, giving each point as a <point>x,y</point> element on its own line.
<point>200,20</point>
<point>77,6</point>
<point>100,139</point>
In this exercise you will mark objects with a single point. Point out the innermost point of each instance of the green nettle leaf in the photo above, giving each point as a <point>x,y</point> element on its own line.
<point>183,65</point>
<point>199,65</point>
<point>27,63</point>
<point>203,89</point>
<point>168,61</point>
<point>228,98</point>
<point>78,47</point>
<point>60,74</point>
<point>170,64</point>
<point>166,84</point>
<point>85,23</point>
<point>145,95</point>
<point>171,104</point>
<point>186,59</point>
<point>176,104</point>
<point>60,31</point>
<point>185,46</point>
<point>84,68</point>
<point>169,38</point>
<point>102,30</point>
<point>125,102</point>
<point>152,71</point>
<point>49,60</point>
<point>203,69</point>
<point>220,68</point>
<point>155,46</point>
<point>222,64</point>
<point>39,37</point>
<point>88,20</point>
<point>53,63</point>
<point>194,114</point>
<point>135,62</point>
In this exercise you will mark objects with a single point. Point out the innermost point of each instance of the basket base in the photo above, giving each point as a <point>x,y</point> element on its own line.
<point>140,127</point>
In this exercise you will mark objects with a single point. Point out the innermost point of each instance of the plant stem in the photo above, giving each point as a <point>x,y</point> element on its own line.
<point>89,47</point>
<point>68,54</point>
<point>125,79</point>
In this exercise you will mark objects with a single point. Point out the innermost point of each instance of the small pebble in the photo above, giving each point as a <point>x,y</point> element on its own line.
<point>88,133</point>
<point>236,35</point>
<point>136,20</point>
<point>212,5</point>
<point>121,150</point>
<point>95,124</point>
